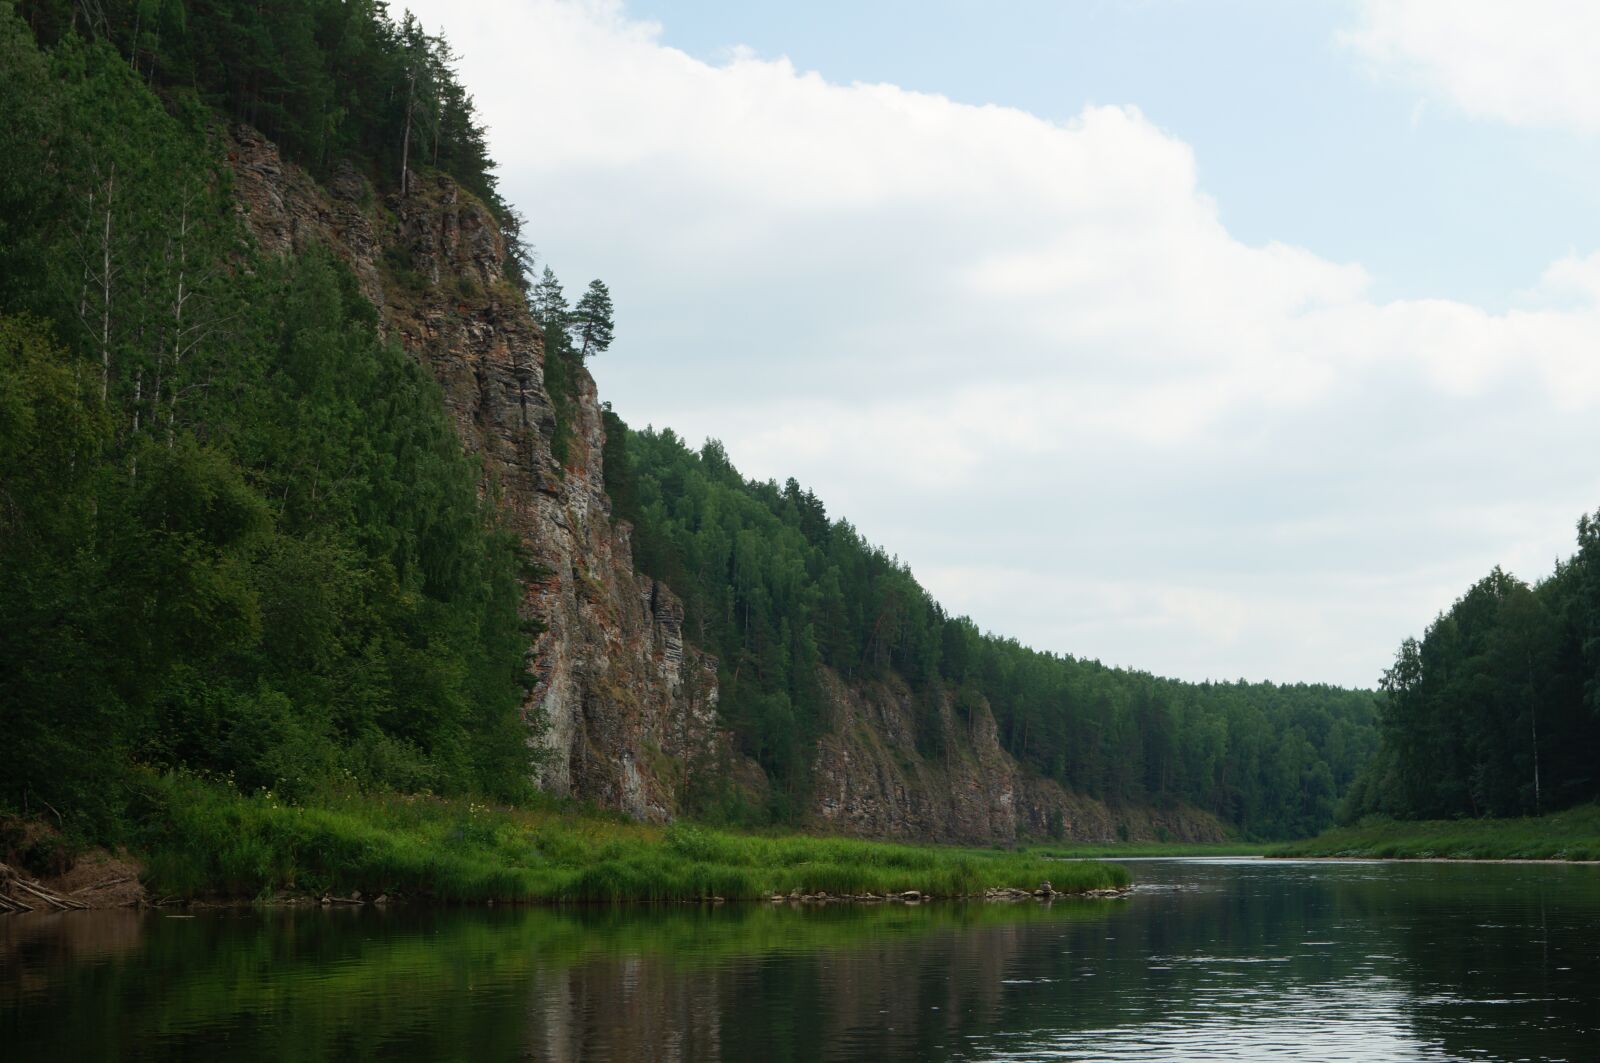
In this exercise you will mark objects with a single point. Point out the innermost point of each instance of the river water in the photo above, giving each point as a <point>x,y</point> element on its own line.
<point>1206,960</point>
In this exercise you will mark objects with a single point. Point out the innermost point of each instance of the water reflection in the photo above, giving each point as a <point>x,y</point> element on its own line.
<point>1209,960</point>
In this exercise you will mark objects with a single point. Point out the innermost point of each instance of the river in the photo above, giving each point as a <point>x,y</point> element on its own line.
<point>1207,959</point>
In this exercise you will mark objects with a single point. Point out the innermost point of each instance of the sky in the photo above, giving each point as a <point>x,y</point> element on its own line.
<point>1222,340</point>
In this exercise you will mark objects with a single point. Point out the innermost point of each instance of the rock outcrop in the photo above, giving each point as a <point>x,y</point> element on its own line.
<point>624,708</point>
<point>628,710</point>
<point>869,780</point>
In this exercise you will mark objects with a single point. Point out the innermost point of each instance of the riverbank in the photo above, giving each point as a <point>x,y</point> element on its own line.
<point>1147,850</point>
<point>200,842</point>
<point>1572,835</point>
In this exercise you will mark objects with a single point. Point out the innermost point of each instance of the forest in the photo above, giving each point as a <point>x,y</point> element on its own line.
<point>1495,711</point>
<point>777,589</point>
<point>241,542</point>
<point>239,536</point>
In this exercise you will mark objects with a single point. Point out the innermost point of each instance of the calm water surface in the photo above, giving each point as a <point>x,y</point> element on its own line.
<point>1207,960</point>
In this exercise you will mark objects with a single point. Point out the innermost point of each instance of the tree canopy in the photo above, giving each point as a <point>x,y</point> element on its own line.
<point>778,589</point>
<point>1495,711</point>
<point>238,534</point>
<point>591,325</point>
<point>327,80</point>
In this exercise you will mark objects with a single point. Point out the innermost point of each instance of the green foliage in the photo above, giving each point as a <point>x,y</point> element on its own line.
<point>549,305</point>
<point>592,329</point>
<point>621,485</point>
<point>1570,835</point>
<point>779,592</point>
<point>30,115</point>
<point>56,702</point>
<point>202,839</point>
<point>328,80</point>
<point>560,383</point>
<point>237,532</point>
<point>332,82</point>
<point>240,539</point>
<point>1493,712</point>
<point>1133,850</point>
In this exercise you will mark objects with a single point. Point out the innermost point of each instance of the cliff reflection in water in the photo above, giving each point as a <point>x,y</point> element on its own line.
<point>1210,960</point>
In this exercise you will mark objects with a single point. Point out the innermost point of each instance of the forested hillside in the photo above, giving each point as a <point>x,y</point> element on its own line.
<point>1496,710</point>
<point>329,81</point>
<point>777,589</point>
<point>237,532</point>
<point>242,538</point>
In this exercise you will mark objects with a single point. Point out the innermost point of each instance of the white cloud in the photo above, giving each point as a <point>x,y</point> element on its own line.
<point>1529,63</point>
<point>1002,345</point>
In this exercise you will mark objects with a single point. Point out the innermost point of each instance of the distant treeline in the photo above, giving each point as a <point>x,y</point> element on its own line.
<point>1496,711</point>
<point>238,535</point>
<point>776,589</point>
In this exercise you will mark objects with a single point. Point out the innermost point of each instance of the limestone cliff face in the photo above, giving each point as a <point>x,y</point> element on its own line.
<point>629,709</point>
<point>869,780</point>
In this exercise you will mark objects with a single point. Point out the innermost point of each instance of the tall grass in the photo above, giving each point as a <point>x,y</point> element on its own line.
<point>1132,850</point>
<point>1570,835</point>
<point>201,839</point>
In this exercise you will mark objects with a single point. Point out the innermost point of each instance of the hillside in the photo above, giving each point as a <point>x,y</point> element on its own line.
<point>247,538</point>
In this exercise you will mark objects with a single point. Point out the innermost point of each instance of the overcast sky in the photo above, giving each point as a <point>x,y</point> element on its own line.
<point>1224,339</point>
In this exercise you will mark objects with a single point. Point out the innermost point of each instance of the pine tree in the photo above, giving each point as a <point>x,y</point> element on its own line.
<point>550,304</point>
<point>591,326</point>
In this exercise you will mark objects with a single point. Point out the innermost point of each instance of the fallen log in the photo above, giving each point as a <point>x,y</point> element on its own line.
<point>54,900</point>
<point>12,905</point>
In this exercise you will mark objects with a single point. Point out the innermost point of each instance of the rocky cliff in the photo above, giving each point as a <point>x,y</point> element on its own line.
<point>625,710</point>
<point>869,780</point>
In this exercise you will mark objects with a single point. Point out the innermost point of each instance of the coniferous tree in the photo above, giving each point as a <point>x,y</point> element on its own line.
<point>592,328</point>
<point>549,304</point>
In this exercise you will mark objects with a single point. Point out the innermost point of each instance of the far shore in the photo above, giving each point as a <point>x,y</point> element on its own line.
<point>1430,859</point>
<point>1568,837</point>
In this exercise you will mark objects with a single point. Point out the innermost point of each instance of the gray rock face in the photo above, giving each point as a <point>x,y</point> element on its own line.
<point>868,780</point>
<point>628,708</point>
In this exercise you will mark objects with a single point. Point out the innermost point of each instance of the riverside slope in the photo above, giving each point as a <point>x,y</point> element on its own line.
<point>625,708</point>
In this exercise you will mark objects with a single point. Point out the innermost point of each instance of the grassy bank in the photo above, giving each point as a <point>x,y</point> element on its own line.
<point>1133,850</point>
<point>1570,835</point>
<point>202,840</point>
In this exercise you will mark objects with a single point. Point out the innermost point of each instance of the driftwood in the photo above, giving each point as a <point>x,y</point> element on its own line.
<point>9,905</point>
<point>11,882</point>
<point>328,898</point>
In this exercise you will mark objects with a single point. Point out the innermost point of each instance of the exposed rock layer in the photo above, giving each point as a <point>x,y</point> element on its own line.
<point>869,780</point>
<point>628,708</point>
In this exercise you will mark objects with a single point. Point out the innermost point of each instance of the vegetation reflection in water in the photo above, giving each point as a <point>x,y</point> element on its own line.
<point>443,983</point>
<point>1230,959</point>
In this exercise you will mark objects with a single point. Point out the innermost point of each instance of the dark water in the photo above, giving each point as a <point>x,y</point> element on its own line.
<point>1208,960</point>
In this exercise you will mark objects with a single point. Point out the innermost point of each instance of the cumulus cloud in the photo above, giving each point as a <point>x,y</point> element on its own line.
<point>1029,358</point>
<point>1531,63</point>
